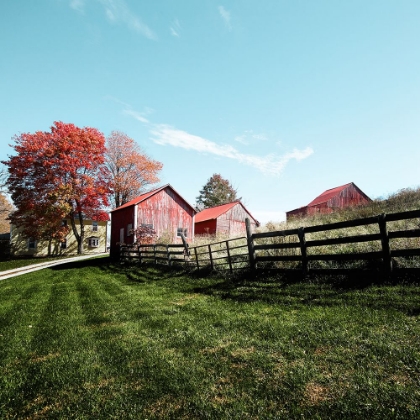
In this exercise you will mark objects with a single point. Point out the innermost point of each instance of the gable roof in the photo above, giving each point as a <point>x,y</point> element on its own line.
<point>216,211</point>
<point>149,194</point>
<point>327,195</point>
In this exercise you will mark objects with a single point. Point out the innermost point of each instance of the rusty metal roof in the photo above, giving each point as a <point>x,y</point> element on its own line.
<point>146,195</point>
<point>327,195</point>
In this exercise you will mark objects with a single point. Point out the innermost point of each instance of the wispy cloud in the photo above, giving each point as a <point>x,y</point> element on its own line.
<point>136,115</point>
<point>270,164</point>
<point>175,28</point>
<point>117,12</point>
<point>225,16</point>
<point>248,137</point>
<point>78,5</point>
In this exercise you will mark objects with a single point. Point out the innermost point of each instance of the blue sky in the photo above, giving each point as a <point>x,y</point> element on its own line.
<point>285,99</point>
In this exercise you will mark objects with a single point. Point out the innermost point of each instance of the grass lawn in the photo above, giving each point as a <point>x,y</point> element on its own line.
<point>92,339</point>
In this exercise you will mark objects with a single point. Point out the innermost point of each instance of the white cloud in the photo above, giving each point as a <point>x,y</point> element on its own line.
<point>136,115</point>
<point>78,5</point>
<point>175,28</point>
<point>270,164</point>
<point>118,11</point>
<point>225,16</point>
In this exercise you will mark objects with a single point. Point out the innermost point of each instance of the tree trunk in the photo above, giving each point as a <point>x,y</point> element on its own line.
<point>79,236</point>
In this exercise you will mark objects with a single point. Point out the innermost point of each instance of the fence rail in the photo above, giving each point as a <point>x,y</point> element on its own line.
<point>295,247</point>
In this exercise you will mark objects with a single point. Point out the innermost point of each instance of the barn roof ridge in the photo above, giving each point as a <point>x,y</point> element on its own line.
<point>215,211</point>
<point>148,194</point>
<point>328,194</point>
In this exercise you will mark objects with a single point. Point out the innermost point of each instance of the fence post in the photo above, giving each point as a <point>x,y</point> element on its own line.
<point>211,257</point>
<point>228,255</point>
<point>169,256</point>
<point>139,251</point>
<point>386,251</point>
<point>250,242</point>
<point>196,258</point>
<point>302,240</point>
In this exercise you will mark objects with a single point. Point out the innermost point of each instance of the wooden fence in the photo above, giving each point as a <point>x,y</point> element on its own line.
<point>298,249</point>
<point>155,253</point>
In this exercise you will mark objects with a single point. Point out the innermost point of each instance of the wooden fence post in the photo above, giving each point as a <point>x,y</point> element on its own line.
<point>228,255</point>
<point>169,256</point>
<point>196,258</point>
<point>211,257</point>
<point>386,251</point>
<point>139,251</point>
<point>250,242</point>
<point>301,235</point>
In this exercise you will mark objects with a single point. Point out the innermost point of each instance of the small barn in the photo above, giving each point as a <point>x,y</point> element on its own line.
<point>331,200</point>
<point>227,219</point>
<point>162,210</point>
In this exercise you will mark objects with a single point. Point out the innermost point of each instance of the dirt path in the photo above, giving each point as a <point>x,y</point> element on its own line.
<point>34,267</point>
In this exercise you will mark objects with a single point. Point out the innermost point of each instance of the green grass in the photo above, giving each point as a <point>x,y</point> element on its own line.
<point>95,340</point>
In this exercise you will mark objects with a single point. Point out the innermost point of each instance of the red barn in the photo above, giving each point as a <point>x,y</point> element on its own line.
<point>162,210</point>
<point>228,219</point>
<point>330,200</point>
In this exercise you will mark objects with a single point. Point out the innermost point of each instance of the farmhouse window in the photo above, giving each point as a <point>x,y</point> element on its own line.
<point>129,229</point>
<point>63,244</point>
<point>64,223</point>
<point>31,243</point>
<point>93,242</point>
<point>94,226</point>
<point>184,231</point>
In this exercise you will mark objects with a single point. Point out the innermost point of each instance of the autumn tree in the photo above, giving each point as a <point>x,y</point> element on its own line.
<point>216,191</point>
<point>56,175</point>
<point>131,169</point>
<point>5,209</point>
<point>5,206</point>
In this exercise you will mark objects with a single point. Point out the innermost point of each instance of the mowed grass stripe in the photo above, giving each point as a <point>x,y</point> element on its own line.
<point>109,341</point>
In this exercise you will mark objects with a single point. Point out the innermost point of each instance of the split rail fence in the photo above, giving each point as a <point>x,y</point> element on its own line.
<point>383,243</point>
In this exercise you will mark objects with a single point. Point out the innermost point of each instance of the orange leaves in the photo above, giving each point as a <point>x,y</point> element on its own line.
<point>56,173</point>
<point>131,169</point>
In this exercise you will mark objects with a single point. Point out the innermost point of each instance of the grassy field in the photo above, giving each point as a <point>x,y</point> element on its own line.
<point>91,340</point>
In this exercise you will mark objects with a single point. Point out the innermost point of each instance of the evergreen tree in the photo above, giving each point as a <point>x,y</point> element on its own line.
<point>216,191</point>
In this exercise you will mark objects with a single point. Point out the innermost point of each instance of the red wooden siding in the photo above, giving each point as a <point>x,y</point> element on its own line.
<point>167,212</point>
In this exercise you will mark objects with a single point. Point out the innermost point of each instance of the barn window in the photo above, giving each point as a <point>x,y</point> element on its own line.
<point>184,231</point>
<point>94,226</point>
<point>129,229</point>
<point>31,243</point>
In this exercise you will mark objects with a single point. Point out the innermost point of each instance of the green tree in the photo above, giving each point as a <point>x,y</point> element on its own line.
<point>216,191</point>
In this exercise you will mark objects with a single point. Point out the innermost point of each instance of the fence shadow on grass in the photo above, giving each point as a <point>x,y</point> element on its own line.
<point>289,289</point>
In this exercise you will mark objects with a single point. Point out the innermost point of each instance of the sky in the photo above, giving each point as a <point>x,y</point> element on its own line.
<point>284,98</point>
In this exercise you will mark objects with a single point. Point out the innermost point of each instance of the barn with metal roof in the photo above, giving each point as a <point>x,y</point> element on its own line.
<point>227,219</point>
<point>331,200</point>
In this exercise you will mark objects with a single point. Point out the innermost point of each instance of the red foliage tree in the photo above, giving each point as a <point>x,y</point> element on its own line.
<point>56,175</point>
<point>131,169</point>
<point>144,234</point>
